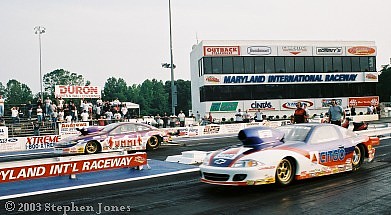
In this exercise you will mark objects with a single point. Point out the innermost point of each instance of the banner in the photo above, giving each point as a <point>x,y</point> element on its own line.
<point>40,142</point>
<point>18,173</point>
<point>363,101</point>
<point>62,91</point>
<point>69,129</point>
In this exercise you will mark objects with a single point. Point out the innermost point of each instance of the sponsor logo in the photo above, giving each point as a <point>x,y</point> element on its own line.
<point>262,105</point>
<point>361,50</point>
<point>332,155</point>
<point>292,105</point>
<point>328,50</point>
<point>220,161</point>
<point>295,50</point>
<point>221,50</point>
<point>371,76</point>
<point>259,50</point>
<point>212,79</point>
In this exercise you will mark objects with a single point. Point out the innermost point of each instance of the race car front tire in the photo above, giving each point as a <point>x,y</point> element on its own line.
<point>91,147</point>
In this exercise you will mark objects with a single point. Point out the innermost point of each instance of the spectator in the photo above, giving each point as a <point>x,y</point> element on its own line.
<point>109,116</point>
<point>48,103</point>
<point>258,116</point>
<point>158,120</point>
<point>165,120</point>
<point>124,110</point>
<point>68,118</point>
<point>36,127</point>
<point>29,110</point>
<point>300,114</point>
<point>54,118</point>
<point>336,113</point>
<point>198,117</point>
<point>210,117</point>
<point>39,114</point>
<point>117,116</point>
<point>353,111</point>
<point>84,116</point>
<point>14,115</point>
<point>61,115</point>
<point>1,106</point>
<point>307,112</point>
<point>181,117</point>
<point>39,102</point>
<point>239,116</point>
<point>246,117</point>
<point>60,103</point>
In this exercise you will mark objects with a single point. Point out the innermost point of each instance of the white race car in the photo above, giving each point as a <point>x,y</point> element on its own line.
<point>284,154</point>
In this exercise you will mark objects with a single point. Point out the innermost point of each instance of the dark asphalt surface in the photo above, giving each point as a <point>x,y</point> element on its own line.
<point>367,191</point>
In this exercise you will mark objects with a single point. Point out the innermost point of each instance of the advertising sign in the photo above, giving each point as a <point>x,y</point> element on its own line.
<point>3,132</point>
<point>67,129</point>
<point>361,50</point>
<point>371,77</point>
<point>326,103</point>
<point>71,167</point>
<point>40,142</point>
<point>10,144</point>
<point>288,78</point>
<point>295,50</point>
<point>221,50</point>
<point>337,50</point>
<point>262,105</point>
<point>363,101</point>
<point>77,91</point>
<point>291,104</point>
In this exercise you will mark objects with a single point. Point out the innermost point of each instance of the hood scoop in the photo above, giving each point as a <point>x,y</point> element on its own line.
<point>260,137</point>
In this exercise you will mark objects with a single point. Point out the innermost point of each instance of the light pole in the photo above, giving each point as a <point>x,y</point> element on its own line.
<point>40,30</point>
<point>172,66</point>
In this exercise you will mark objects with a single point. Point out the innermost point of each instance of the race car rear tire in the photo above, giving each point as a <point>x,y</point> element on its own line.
<point>358,157</point>
<point>285,172</point>
<point>91,147</point>
<point>153,143</point>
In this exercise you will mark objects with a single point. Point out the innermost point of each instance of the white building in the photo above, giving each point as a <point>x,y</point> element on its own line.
<point>273,75</point>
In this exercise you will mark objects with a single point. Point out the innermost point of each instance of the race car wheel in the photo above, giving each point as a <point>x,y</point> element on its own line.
<point>358,157</point>
<point>285,172</point>
<point>153,143</point>
<point>91,147</point>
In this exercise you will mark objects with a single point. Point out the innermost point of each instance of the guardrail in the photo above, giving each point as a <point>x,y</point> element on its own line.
<point>376,132</point>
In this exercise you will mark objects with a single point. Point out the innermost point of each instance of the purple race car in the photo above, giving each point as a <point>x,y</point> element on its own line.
<point>113,137</point>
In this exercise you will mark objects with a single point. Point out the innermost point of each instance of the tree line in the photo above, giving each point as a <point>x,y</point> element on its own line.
<point>153,96</point>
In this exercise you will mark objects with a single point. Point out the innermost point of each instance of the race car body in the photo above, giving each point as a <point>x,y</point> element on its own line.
<point>287,153</point>
<point>113,137</point>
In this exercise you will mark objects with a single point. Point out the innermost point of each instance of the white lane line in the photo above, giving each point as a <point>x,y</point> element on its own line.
<point>97,184</point>
<point>24,154</point>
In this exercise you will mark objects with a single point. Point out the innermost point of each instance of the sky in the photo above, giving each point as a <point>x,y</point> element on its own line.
<point>129,39</point>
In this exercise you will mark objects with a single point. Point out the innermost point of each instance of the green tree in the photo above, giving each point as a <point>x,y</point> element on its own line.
<point>115,89</point>
<point>17,93</point>
<point>62,77</point>
<point>2,89</point>
<point>383,86</point>
<point>183,96</point>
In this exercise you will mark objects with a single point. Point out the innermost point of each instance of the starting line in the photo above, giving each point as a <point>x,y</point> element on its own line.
<point>63,183</point>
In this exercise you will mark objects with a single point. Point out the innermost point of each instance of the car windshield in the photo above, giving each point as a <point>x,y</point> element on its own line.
<point>295,133</point>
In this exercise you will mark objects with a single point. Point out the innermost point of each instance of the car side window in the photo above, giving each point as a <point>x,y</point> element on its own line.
<point>142,128</point>
<point>324,134</point>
